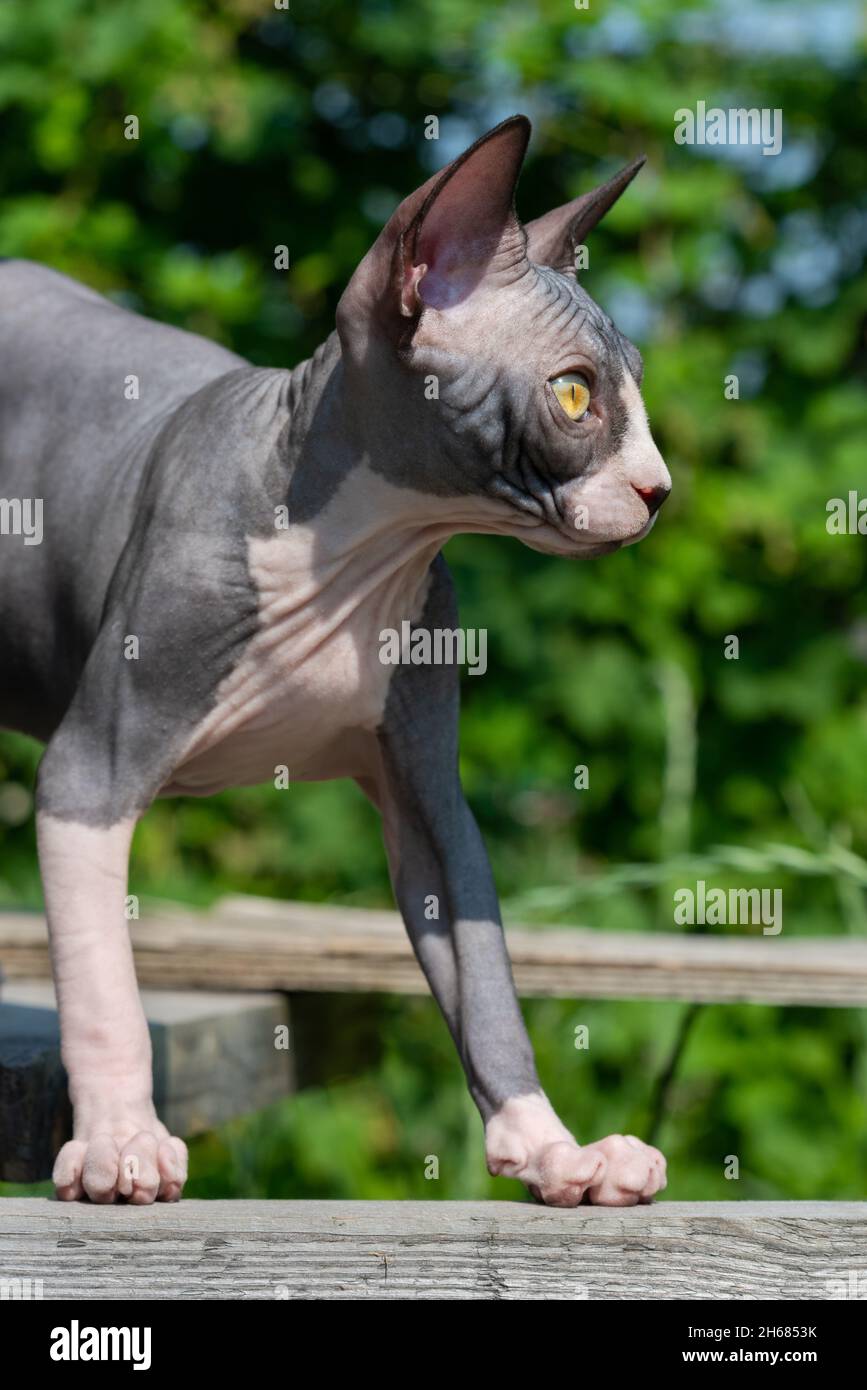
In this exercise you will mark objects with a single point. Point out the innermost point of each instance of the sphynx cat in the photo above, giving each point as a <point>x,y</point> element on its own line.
<point>221,548</point>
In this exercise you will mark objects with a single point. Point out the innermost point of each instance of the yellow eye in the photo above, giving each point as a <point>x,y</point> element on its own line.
<point>573,393</point>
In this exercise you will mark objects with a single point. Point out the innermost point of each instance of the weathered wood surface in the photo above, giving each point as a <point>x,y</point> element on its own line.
<point>253,944</point>
<point>434,1250</point>
<point>214,1058</point>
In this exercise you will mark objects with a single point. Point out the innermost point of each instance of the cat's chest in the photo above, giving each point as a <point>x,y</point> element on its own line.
<point>312,678</point>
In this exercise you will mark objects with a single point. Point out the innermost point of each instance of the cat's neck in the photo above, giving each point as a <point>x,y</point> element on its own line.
<point>342,479</point>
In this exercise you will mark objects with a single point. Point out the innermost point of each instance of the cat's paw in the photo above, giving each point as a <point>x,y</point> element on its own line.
<point>126,1160</point>
<point>562,1174</point>
<point>526,1140</point>
<point>633,1171</point>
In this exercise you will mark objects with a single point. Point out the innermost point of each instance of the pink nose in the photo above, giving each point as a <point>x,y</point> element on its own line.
<point>653,496</point>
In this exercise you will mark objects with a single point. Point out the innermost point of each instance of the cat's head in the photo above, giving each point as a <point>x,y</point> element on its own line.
<point>480,370</point>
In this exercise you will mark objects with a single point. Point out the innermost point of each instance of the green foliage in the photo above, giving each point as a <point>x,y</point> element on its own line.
<point>261,127</point>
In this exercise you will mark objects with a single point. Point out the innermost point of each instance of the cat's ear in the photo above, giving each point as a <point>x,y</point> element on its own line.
<point>435,249</point>
<point>552,240</point>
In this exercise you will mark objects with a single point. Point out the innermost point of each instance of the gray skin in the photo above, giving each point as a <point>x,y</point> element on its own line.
<point>150,508</point>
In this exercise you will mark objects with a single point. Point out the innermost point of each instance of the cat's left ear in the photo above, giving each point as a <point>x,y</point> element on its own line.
<point>437,247</point>
<point>464,221</point>
<point>552,240</point>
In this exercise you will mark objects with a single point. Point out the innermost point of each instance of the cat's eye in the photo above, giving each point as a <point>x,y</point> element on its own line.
<point>573,393</point>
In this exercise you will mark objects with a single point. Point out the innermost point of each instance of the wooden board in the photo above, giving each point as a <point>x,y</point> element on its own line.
<point>260,944</point>
<point>434,1250</point>
<point>214,1059</point>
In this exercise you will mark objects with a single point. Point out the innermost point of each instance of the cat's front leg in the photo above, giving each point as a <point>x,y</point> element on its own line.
<point>445,890</point>
<point>444,869</point>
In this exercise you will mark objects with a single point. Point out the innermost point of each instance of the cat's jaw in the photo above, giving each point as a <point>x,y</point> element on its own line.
<point>569,532</point>
<point>645,531</point>
<point>561,548</point>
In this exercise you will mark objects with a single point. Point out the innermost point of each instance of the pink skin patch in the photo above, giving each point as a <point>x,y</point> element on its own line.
<point>526,1140</point>
<point>119,1148</point>
<point>138,1165</point>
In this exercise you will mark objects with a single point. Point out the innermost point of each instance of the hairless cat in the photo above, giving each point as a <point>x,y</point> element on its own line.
<point>221,548</point>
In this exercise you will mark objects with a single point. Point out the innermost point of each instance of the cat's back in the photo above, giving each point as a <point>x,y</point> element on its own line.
<point>87,389</point>
<point>57,332</point>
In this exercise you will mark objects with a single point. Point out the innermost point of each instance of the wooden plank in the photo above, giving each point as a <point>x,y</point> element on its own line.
<point>35,1114</point>
<point>266,945</point>
<point>434,1250</point>
<point>214,1059</point>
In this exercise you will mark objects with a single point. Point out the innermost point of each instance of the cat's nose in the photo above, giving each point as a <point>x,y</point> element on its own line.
<point>653,496</point>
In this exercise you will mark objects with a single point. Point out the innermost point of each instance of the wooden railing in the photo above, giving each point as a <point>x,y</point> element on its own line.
<point>215,989</point>
<point>436,1250</point>
<point>258,943</point>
